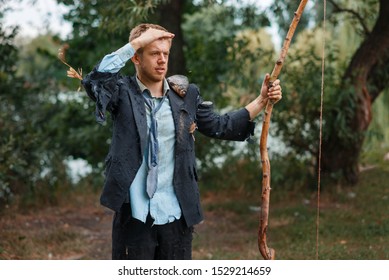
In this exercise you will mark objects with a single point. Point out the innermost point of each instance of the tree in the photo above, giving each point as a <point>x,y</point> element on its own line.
<point>169,15</point>
<point>366,76</point>
<point>356,73</point>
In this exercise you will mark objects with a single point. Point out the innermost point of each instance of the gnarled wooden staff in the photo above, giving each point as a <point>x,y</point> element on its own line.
<point>266,252</point>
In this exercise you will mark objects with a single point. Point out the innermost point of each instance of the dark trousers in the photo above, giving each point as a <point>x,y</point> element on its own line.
<point>135,240</point>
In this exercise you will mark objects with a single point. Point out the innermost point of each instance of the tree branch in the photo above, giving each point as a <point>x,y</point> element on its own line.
<point>338,9</point>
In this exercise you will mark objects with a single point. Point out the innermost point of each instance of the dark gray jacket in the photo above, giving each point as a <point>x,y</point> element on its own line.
<point>121,96</point>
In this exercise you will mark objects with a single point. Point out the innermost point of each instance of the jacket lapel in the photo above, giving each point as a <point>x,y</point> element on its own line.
<point>177,105</point>
<point>138,107</point>
<point>180,116</point>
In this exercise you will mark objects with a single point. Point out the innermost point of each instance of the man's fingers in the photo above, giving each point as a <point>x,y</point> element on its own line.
<point>168,35</point>
<point>159,34</point>
<point>275,91</point>
<point>149,36</point>
<point>275,83</point>
<point>275,95</point>
<point>266,79</point>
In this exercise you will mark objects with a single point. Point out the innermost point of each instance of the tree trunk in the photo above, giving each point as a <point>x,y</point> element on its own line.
<point>169,15</point>
<point>367,74</point>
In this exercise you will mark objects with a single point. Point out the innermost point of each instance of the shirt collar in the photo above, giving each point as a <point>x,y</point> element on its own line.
<point>142,87</point>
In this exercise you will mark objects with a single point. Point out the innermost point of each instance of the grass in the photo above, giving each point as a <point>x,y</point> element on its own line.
<point>45,245</point>
<point>353,223</point>
<point>68,230</point>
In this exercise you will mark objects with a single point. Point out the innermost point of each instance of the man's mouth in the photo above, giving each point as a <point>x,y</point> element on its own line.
<point>160,70</point>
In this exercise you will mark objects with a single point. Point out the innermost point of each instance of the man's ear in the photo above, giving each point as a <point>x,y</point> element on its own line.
<point>135,59</point>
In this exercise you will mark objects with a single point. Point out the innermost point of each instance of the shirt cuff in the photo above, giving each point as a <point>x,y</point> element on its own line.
<point>115,61</point>
<point>126,52</point>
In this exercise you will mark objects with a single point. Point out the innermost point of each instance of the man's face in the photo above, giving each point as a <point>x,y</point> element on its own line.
<point>152,63</point>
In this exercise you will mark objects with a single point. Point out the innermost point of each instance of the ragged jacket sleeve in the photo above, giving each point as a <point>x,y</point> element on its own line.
<point>235,125</point>
<point>103,89</point>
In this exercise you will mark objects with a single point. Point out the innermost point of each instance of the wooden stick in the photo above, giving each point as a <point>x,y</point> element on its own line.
<point>71,73</point>
<point>266,252</point>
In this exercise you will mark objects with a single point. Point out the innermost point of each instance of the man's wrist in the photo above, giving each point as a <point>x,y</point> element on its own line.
<point>256,106</point>
<point>261,101</point>
<point>135,44</point>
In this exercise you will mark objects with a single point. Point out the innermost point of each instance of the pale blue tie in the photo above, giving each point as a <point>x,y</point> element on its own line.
<point>153,146</point>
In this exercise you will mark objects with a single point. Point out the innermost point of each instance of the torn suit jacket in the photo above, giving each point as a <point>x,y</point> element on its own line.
<point>121,96</point>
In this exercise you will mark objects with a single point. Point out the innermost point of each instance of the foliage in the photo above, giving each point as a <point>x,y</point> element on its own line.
<point>111,16</point>
<point>65,118</point>
<point>20,164</point>
<point>297,116</point>
<point>9,163</point>
<point>282,12</point>
<point>357,17</point>
<point>35,117</point>
<point>377,137</point>
<point>214,34</point>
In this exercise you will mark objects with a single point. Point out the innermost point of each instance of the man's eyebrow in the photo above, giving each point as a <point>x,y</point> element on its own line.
<point>159,51</point>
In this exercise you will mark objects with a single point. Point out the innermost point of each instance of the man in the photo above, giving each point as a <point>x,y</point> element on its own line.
<point>151,180</point>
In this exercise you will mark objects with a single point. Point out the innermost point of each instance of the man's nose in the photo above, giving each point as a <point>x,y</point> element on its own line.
<point>162,58</point>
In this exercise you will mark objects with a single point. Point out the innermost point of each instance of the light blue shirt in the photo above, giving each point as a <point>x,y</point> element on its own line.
<point>115,61</point>
<point>163,207</point>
